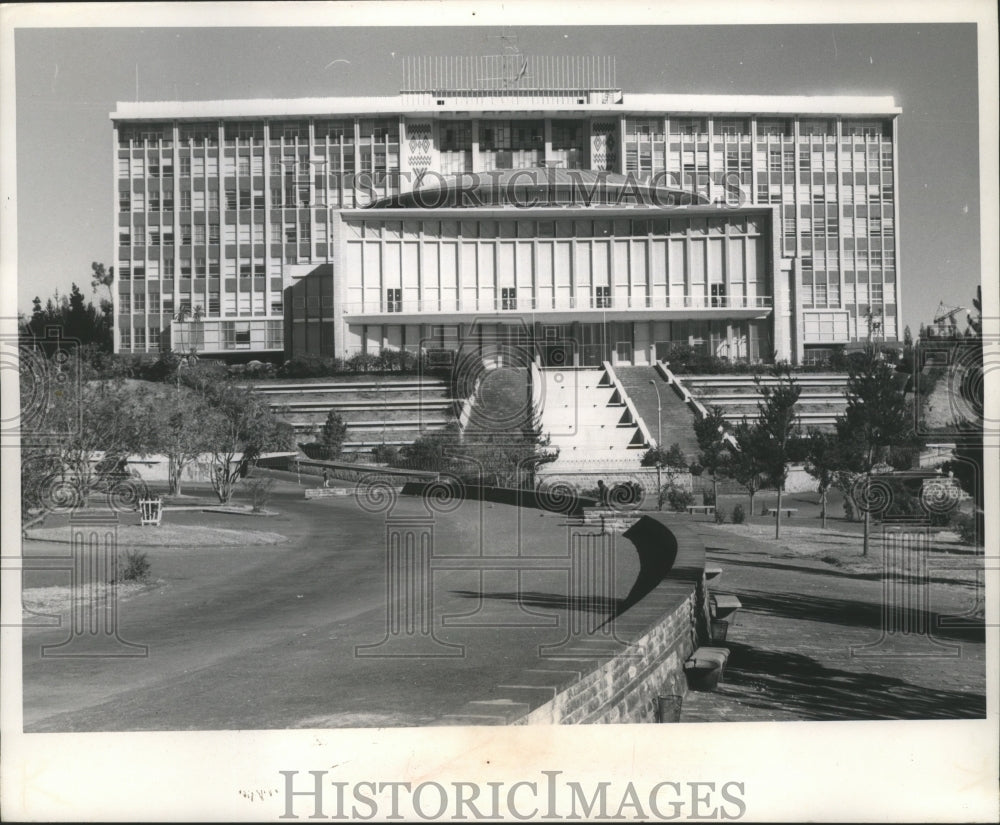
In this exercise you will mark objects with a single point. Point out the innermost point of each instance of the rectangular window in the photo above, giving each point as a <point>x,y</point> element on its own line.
<point>125,303</point>
<point>244,166</point>
<point>185,199</point>
<point>199,233</point>
<point>718,295</point>
<point>140,338</point>
<point>139,304</point>
<point>231,201</point>
<point>185,166</point>
<point>185,234</point>
<point>394,300</point>
<point>244,233</point>
<point>154,236</point>
<point>508,298</point>
<point>124,201</point>
<point>198,166</point>
<point>602,297</point>
<point>258,233</point>
<point>168,201</point>
<point>213,199</point>
<point>198,201</point>
<point>168,267</point>
<point>123,168</point>
<point>290,233</point>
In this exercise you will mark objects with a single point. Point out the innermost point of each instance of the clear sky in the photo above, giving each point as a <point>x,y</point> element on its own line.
<point>68,80</point>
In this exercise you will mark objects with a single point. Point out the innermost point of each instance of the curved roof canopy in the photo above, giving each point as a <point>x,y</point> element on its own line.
<point>538,187</point>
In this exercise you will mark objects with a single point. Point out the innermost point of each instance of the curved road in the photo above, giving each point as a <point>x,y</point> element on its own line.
<point>264,637</point>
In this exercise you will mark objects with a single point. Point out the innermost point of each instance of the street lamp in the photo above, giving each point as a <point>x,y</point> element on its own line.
<point>659,441</point>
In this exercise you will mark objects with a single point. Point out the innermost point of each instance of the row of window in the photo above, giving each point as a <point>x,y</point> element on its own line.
<point>137,306</point>
<point>386,129</point>
<point>200,234</point>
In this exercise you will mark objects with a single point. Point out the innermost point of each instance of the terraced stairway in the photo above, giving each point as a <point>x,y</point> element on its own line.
<point>590,418</point>
<point>821,402</point>
<point>385,410</point>
<point>676,417</point>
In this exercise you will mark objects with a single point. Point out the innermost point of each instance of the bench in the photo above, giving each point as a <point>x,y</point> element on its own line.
<point>704,667</point>
<point>324,492</point>
<point>724,606</point>
<point>707,509</point>
<point>770,511</point>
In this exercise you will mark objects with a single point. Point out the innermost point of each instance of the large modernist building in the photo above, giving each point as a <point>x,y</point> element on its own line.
<point>523,199</point>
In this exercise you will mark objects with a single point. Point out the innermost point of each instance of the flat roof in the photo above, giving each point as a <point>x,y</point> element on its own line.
<point>425,105</point>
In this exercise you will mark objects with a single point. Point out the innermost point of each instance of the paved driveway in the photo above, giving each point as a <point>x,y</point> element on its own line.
<point>265,637</point>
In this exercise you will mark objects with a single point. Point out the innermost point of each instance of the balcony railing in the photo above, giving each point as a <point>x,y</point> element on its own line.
<point>524,304</point>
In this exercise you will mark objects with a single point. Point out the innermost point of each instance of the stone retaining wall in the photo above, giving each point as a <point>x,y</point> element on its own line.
<point>617,676</point>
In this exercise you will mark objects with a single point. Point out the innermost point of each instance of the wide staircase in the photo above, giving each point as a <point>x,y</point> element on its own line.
<point>675,417</point>
<point>591,420</point>
<point>384,410</point>
<point>821,402</point>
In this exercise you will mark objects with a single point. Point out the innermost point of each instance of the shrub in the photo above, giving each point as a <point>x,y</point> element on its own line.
<point>133,566</point>
<point>678,498</point>
<point>738,516</point>
<point>310,366</point>
<point>362,362</point>
<point>332,436</point>
<point>708,497</point>
<point>385,454</point>
<point>260,492</point>
<point>965,525</point>
<point>720,516</point>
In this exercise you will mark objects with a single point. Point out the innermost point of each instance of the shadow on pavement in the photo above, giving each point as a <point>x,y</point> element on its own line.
<point>799,684</point>
<point>875,575</point>
<point>812,608</point>
<point>549,601</point>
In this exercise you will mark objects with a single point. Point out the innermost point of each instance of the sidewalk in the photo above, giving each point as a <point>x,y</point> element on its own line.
<point>791,643</point>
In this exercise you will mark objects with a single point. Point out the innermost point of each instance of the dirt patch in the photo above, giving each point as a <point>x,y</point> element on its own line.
<point>55,601</point>
<point>170,535</point>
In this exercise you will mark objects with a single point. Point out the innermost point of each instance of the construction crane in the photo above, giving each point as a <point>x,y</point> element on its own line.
<point>944,320</point>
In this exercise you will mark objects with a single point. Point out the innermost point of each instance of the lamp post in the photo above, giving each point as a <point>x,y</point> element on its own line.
<point>659,442</point>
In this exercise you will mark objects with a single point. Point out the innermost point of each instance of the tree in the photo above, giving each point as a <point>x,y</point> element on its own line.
<point>745,463</point>
<point>333,434</point>
<point>823,462</point>
<point>103,277</point>
<point>875,419</point>
<point>241,428</point>
<point>714,449</point>
<point>672,457</point>
<point>180,430</point>
<point>74,317</point>
<point>776,426</point>
<point>80,420</point>
<point>967,466</point>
